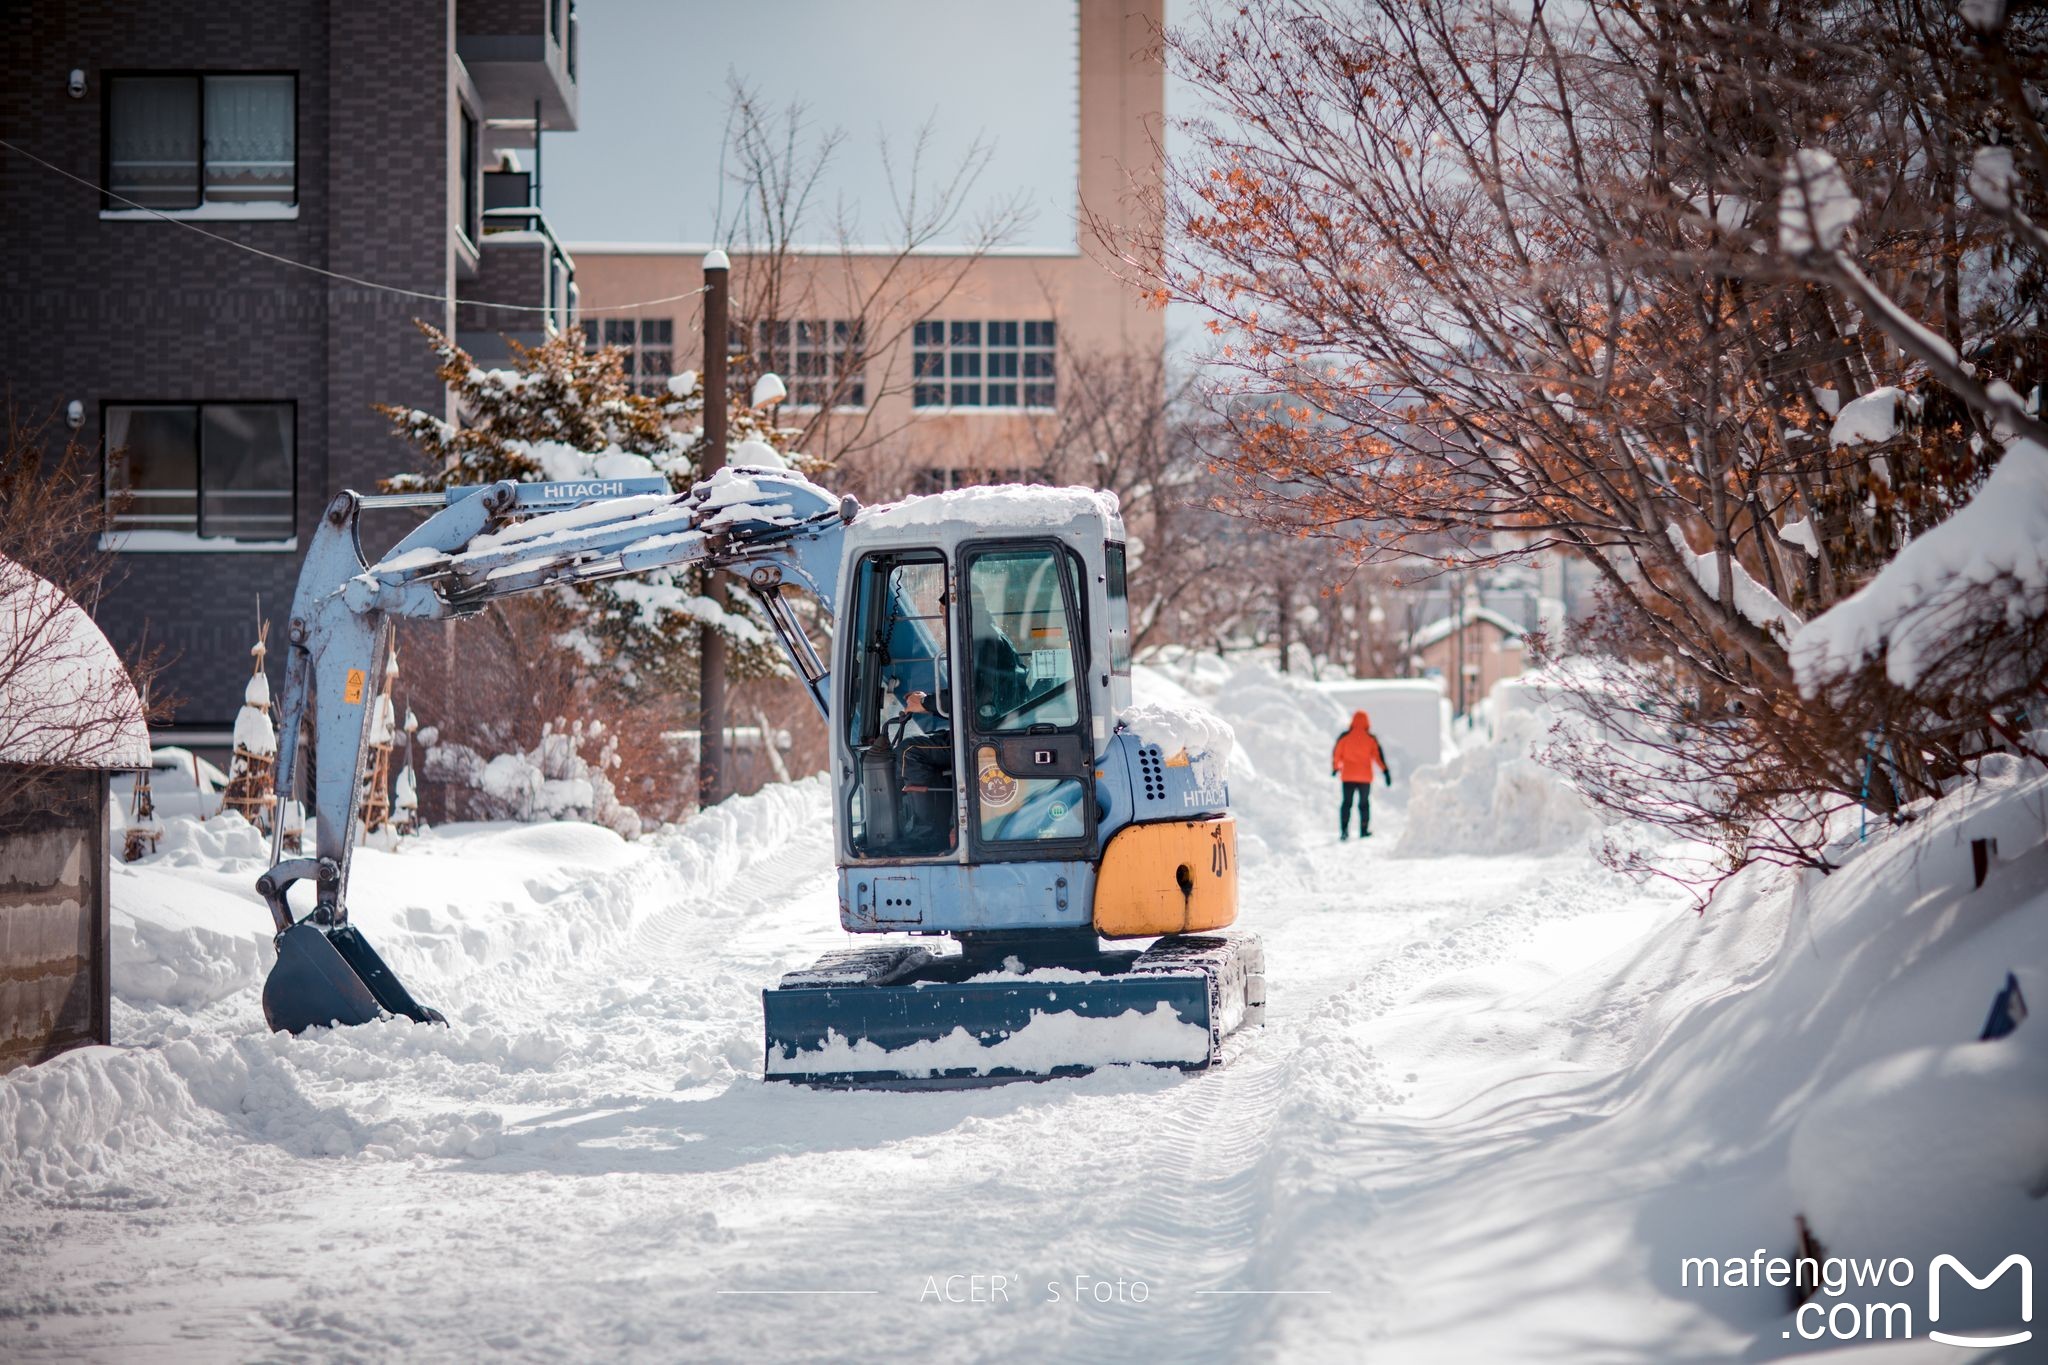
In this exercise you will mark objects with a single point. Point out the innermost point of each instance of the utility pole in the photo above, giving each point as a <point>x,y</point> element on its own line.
<point>711,776</point>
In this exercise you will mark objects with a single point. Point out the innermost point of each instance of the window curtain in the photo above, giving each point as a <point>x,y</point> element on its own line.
<point>153,141</point>
<point>250,139</point>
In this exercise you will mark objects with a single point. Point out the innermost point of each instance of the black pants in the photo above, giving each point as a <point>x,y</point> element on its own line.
<point>1363,791</point>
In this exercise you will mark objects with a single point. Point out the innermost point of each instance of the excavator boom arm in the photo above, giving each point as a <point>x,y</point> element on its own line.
<point>769,527</point>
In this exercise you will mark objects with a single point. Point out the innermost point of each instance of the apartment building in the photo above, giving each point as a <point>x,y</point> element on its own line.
<point>945,367</point>
<point>214,279</point>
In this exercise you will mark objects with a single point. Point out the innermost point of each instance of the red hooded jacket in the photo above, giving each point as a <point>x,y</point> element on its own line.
<point>1357,754</point>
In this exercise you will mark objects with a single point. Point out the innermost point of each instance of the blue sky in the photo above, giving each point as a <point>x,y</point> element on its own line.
<point>644,163</point>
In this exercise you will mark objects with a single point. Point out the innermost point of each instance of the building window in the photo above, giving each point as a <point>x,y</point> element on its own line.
<point>189,142</point>
<point>647,346</point>
<point>472,181</point>
<point>1001,364</point>
<point>819,359</point>
<point>217,471</point>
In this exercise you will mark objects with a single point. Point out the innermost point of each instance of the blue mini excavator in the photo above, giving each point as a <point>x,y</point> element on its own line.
<point>983,785</point>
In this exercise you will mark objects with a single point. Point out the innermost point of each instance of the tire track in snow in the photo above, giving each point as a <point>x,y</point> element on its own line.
<point>1196,1216</point>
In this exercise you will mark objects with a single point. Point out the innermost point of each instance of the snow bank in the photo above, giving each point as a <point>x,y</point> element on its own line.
<point>1279,767</point>
<point>1984,567</point>
<point>1494,797</point>
<point>469,916</point>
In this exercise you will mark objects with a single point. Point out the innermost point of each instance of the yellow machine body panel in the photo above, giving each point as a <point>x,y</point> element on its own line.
<point>1170,877</point>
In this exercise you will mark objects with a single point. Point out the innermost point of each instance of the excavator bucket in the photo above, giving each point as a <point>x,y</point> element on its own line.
<point>900,1018</point>
<point>325,977</point>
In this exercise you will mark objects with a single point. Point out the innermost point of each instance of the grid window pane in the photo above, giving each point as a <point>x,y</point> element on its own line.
<point>153,141</point>
<point>997,350</point>
<point>246,462</point>
<point>153,468</point>
<point>251,156</point>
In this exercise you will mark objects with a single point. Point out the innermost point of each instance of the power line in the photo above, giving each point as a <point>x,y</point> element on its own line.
<point>333,274</point>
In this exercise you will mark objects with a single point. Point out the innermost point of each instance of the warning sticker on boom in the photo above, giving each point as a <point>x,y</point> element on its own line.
<point>352,688</point>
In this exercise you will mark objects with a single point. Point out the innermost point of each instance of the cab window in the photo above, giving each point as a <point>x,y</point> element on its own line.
<point>902,802</point>
<point>1021,647</point>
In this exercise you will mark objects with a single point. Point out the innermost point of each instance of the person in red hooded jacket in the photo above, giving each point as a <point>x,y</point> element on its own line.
<point>1357,754</point>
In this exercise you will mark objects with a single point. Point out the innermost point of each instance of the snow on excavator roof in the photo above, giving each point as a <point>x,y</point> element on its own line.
<point>998,507</point>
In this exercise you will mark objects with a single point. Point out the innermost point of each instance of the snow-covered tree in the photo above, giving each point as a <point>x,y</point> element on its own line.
<point>252,773</point>
<point>1486,279</point>
<point>566,411</point>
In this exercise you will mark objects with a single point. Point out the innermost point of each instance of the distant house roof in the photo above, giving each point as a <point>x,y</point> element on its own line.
<point>66,700</point>
<point>1446,626</point>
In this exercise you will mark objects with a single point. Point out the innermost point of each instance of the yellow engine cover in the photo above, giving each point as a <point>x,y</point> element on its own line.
<point>1173,877</point>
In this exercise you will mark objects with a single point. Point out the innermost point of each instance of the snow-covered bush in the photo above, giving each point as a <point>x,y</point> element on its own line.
<point>551,781</point>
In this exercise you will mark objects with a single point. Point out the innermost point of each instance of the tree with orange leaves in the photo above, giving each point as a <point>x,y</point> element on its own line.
<point>1485,279</point>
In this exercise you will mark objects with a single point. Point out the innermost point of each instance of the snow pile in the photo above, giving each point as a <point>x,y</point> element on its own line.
<point>1181,728</point>
<point>468,916</point>
<point>551,781</point>
<point>1283,727</point>
<point>1891,1126</point>
<point>1006,505</point>
<point>1870,420</point>
<point>1757,603</point>
<point>1816,205</point>
<point>1983,568</point>
<point>65,698</point>
<point>1494,797</point>
<point>254,734</point>
<point>1679,1088</point>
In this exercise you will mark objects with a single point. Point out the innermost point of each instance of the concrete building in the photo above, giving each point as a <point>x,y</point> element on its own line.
<point>943,366</point>
<point>391,151</point>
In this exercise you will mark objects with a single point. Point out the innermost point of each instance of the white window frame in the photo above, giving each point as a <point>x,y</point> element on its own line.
<point>964,358</point>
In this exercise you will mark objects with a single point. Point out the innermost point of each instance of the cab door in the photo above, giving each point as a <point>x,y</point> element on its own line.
<point>1024,664</point>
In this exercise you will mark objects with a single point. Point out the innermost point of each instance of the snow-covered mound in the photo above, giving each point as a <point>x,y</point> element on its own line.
<point>1807,1047</point>
<point>1494,797</point>
<point>471,916</point>
<point>1280,785</point>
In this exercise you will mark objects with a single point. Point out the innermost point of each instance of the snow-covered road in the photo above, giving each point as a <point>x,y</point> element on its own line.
<point>1497,1100</point>
<point>586,1163</point>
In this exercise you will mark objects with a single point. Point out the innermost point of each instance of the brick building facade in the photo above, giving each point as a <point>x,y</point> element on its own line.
<point>406,122</point>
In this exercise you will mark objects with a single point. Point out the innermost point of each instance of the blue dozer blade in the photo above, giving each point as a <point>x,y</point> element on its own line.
<point>858,1016</point>
<point>802,1019</point>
